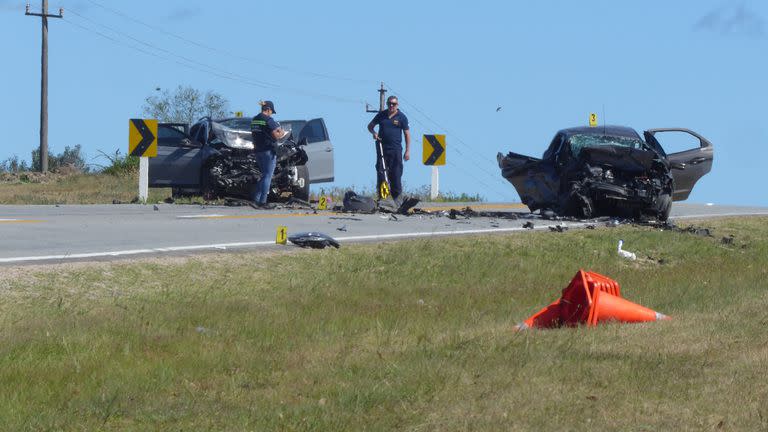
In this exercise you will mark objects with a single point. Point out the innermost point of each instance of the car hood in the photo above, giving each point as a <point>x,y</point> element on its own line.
<point>620,158</point>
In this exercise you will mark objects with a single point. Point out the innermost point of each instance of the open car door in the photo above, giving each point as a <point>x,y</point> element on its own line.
<point>688,166</point>
<point>535,180</point>
<point>179,158</point>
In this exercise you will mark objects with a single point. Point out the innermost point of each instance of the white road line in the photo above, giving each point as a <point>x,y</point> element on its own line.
<point>202,216</point>
<point>220,246</point>
<point>8,220</point>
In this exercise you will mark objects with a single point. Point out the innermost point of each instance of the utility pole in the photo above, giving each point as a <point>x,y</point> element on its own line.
<point>382,96</point>
<point>44,83</point>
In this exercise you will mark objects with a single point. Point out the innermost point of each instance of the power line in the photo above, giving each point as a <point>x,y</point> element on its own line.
<point>200,66</point>
<point>225,52</point>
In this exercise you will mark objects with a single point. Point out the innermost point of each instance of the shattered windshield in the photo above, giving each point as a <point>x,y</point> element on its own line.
<point>579,142</point>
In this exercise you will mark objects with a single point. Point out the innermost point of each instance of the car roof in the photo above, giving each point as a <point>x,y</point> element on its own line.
<point>622,131</point>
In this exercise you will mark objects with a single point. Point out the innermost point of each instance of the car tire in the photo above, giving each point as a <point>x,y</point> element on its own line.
<point>663,207</point>
<point>301,190</point>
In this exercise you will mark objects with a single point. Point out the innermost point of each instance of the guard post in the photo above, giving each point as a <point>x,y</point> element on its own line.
<point>142,142</point>
<point>433,154</point>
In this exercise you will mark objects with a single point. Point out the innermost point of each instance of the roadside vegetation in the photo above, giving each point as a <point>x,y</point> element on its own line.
<point>117,182</point>
<point>414,335</point>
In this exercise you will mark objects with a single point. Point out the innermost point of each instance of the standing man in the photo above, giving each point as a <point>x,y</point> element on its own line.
<point>265,132</point>
<point>393,124</point>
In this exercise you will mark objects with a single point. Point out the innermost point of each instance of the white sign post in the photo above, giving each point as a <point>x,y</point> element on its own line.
<point>434,191</point>
<point>143,179</point>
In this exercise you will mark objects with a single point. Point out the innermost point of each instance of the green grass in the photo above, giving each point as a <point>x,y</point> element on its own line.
<point>411,336</point>
<point>104,188</point>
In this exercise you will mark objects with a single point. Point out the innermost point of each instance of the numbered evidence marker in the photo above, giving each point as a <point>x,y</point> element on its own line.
<point>592,120</point>
<point>282,235</point>
<point>238,114</point>
<point>322,203</point>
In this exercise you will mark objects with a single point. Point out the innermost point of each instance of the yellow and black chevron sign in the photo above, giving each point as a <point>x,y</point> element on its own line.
<point>142,137</point>
<point>434,150</point>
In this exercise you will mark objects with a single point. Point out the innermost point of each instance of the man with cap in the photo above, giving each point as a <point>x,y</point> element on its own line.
<point>393,124</point>
<point>265,132</point>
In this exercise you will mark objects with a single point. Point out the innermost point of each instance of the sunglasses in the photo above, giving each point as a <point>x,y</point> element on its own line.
<point>392,103</point>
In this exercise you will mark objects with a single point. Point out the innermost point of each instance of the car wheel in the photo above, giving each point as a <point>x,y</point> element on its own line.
<point>663,207</point>
<point>301,190</point>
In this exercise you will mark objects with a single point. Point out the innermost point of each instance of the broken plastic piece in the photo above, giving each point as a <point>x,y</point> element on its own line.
<point>625,254</point>
<point>314,240</point>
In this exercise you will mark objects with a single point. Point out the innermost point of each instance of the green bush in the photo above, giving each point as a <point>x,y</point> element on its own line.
<point>120,164</point>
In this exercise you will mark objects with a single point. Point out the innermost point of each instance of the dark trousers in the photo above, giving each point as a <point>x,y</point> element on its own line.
<point>393,158</point>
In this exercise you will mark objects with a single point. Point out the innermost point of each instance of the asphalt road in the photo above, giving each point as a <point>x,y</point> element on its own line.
<point>34,234</point>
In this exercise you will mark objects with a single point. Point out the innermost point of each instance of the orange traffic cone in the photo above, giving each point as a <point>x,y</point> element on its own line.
<point>546,318</point>
<point>589,298</point>
<point>608,307</point>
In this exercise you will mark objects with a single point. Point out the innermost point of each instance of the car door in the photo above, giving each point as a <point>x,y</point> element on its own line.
<point>319,151</point>
<point>688,166</point>
<point>179,157</point>
<point>535,180</point>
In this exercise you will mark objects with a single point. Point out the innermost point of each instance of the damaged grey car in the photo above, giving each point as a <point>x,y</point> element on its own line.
<point>215,159</point>
<point>608,171</point>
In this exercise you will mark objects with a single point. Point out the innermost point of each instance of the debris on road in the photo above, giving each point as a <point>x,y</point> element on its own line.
<point>528,225</point>
<point>314,240</point>
<point>342,228</point>
<point>155,207</point>
<point>558,228</point>
<point>625,254</point>
<point>590,299</point>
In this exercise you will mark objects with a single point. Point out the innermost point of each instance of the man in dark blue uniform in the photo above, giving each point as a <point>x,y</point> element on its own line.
<point>265,132</point>
<point>393,124</point>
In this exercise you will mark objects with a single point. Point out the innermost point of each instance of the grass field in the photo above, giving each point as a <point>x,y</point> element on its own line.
<point>36,188</point>
<point>413,336</point>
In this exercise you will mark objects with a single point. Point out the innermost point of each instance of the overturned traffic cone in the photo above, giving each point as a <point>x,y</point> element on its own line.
<point>608,307</point>
<point>588,299</point>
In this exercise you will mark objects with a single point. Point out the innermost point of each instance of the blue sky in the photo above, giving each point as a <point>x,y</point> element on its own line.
<point>695,64</point>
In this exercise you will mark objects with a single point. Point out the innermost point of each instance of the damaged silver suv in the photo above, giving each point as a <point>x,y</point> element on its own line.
<point>607,171</point>
<point>214,158</point>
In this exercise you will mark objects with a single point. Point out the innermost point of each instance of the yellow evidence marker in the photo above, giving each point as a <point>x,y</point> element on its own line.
<point>282,235</point>
<point>592,120</point>
<point>322,203</point>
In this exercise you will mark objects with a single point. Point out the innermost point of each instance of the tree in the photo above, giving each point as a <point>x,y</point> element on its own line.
<point>72,158</point>
<point>185,105</point>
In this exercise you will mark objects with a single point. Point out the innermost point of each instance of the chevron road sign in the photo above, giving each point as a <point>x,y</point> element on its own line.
<point>142,137</point>
<point>434,150</point>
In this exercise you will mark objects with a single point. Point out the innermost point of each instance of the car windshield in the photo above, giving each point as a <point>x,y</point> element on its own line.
<point>579,142</point>
<point>244,124</point>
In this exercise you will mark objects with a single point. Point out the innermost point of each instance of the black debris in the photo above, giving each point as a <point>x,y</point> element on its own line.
<point>169,200</point>
<point>591,226</point>
<point>114,201</point>
<point>528,225</point>
<point>727,240</point>
<point>345,218</point>
<point>407,204</point>
<point>342,228</point>
<point>155,208</point>
<point>392,217</point>
<point>558,228</point>
<point>135,200</point>
<point>314,240</point>
<point>358,204</point>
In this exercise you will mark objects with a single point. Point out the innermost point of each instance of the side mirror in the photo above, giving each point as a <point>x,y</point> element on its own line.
<point>677,165</point>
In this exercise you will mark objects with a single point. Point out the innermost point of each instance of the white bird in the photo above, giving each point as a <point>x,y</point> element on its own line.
<point>626,254</point>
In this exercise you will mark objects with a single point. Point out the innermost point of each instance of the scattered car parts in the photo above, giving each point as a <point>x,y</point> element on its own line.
<point>314,240</point>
